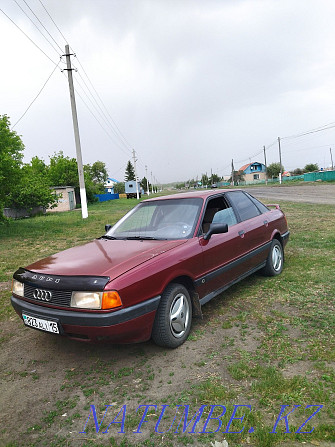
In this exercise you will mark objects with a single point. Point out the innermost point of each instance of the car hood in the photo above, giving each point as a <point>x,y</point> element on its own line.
<point>103,257</point>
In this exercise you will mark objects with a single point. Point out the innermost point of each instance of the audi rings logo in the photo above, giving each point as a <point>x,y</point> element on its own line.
<point>43,295</point>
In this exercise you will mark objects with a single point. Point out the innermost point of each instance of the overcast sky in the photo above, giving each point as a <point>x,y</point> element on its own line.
<point>190,84</point>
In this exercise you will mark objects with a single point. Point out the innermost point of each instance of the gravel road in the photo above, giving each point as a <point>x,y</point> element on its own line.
<point>309,193</point>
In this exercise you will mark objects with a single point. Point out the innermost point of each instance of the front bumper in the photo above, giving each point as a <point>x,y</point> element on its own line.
<point>128,325</point>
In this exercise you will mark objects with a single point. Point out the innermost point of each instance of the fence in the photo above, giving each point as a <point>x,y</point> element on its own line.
<point>105,197</point>
<point>325,176</point>
<point>19,213</point>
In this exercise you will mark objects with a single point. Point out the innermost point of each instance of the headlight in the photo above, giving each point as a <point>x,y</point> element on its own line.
<point>86,300</point>
<point>96,300</point>
<point>18,288</point>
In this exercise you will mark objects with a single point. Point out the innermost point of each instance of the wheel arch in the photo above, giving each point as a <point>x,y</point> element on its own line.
<point>185,280</point>
<point>189,284</point>
<point>277,236</point>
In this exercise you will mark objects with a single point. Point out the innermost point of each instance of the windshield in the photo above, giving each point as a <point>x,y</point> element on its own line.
<point>161,219</point>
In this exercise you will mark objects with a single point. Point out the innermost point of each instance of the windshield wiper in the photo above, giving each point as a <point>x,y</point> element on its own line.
<point>143,238</point>
<point>105,236</point>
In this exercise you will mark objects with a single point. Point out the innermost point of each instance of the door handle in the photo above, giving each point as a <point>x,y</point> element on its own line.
<point>241,233</point>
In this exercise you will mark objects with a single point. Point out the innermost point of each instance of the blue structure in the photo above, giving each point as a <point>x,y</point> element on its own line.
<point>254,171</point>
<point>105,197</point>
<point>109,185</point>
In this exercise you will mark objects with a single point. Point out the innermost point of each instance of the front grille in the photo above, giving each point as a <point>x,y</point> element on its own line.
<point>59,297</point>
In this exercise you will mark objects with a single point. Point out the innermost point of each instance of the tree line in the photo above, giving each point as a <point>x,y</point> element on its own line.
<point>27,185</point>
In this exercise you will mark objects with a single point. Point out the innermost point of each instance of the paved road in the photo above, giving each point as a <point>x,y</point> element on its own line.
<point>309,193</point>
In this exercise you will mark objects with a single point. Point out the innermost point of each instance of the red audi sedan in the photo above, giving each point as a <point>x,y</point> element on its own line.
<point>154,269</point>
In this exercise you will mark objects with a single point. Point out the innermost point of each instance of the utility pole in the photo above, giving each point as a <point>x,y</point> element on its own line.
<point>146,176</point>
<point>266,166</point>
<point>152,185</point>
<point>232,172</point>
<point>331,157</point>
<point>281,166</point>
<point>82,189</point>
<point>136,179</point>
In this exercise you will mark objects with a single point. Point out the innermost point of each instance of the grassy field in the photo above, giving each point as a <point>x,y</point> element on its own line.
<point>266,343</point>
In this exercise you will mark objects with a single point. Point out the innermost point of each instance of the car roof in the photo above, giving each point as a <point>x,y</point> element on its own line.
<point>203,194</point>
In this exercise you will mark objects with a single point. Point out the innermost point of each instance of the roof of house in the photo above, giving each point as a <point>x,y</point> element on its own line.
<point>243,168</point>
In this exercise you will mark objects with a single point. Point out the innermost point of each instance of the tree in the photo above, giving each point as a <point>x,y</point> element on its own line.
<point>145,184</point>
<point>130,172</point>
<point>63,171</point>
<point>273,170</point>
<point>298,171</point>
<point>119,188</point>
<point>204,180</point>
<point>238,177</point>
<point>98,172</point>
<point>11,153</point>
<point>311,167</point>
<point>32,191</point>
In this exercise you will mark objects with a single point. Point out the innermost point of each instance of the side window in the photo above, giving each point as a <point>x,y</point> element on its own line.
<point>243,204</point>
<point>218,211</point>
<point>262,208</point>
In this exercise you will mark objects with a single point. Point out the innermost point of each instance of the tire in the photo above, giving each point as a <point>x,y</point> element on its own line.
<point>173,317</point>
<point>275,261</point>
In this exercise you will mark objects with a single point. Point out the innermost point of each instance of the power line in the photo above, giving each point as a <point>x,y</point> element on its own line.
<point>61,51</point>
<point>17,26</point>
<point>100,111</point>
<point>114,123</point>
<point>308,132</point>
<point>94,116</point>
<point>38,94</point>
<point>24,12</point>
<point>53,22</point>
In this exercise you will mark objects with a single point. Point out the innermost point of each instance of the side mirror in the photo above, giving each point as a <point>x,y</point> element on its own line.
<point>216,228</point>
<point>108,227</point>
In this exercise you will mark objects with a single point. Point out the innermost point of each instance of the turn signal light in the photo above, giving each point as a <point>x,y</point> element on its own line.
<point>111,299</point>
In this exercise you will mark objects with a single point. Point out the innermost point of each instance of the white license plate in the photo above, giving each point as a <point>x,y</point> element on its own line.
<point>40,323</point>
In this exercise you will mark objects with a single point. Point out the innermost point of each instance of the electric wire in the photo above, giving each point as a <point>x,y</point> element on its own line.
<point>38,94</point>
<point>61,51</point>
<point>104,106</point>
<point>38,29</point>
<point>101,111</point>
<point>96,118</point>
<point>17,26</point>
<point>308,132</point>
<point>103,128</point>
<point>53,22</point>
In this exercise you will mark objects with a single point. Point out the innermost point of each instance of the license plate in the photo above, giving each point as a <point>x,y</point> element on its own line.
<point>40,323</point>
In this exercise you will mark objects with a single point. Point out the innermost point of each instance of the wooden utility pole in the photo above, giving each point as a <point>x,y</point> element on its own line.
<point>136,179</point>
<point>82,189</point>
<point>281,166</point>
<point>232,172</point>
<point>331,157</point>
<point>266,166</point>
<point>146,176</point>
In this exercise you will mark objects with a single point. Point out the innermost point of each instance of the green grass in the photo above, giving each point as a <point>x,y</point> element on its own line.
<point>270,342</point>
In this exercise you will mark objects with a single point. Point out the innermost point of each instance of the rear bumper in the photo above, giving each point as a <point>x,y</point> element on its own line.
<point>129,325</point>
